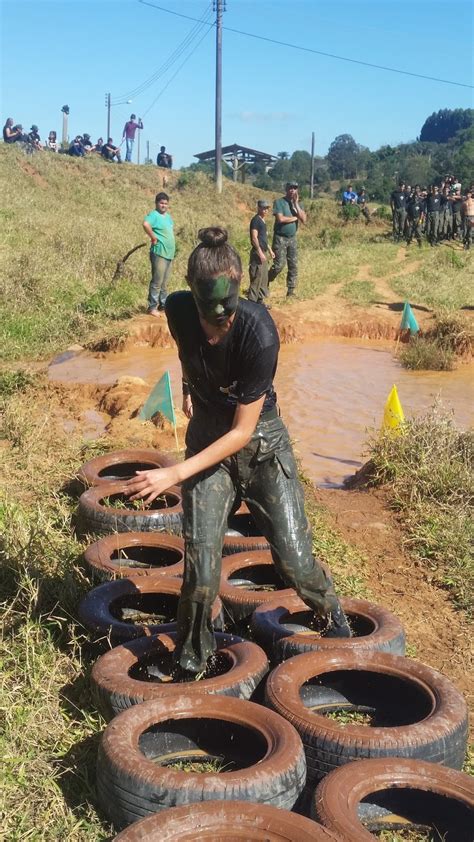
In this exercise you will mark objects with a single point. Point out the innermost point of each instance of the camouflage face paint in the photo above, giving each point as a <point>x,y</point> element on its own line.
<point>216,298</point>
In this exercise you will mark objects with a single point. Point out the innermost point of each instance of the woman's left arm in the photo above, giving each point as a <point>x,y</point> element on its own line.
<point>149,484</point>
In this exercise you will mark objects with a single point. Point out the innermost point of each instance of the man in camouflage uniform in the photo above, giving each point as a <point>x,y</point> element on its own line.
<point>288,214</point>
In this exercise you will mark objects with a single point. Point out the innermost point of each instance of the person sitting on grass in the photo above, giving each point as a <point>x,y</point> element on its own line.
<point>99,146</point>
<point>52,142</point>
<point>11,133</point>
<point>34,138</point>
<point>87,143</point>
<point>236,444</point>
<point>76,148</point>
<point>111,152</point>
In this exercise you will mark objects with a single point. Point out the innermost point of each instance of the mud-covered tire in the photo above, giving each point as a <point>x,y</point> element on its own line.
<point>135,554</point>
<point>242,533</point>
<point>101,610</point>
<point>239,600</point>
<point>95,517</point>
<point>264,750</point>
<point>121,465</point>
<point>279,627</point>
<point>422,714</point>
<point>210,819</point>
<point>120,678</point>
<point>369,795</point>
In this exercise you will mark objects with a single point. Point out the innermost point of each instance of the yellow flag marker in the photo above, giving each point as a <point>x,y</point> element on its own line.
<point>393,416</point>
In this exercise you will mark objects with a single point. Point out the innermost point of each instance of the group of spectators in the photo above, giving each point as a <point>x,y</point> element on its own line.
<point>350,197</point>
<point>82,145</point>
<point>440,213</point>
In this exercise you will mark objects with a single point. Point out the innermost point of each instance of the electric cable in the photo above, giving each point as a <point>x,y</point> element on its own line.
<point>318,52</point>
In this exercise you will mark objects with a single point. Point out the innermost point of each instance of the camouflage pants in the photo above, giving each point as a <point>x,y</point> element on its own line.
<point>258,273</point>
<point>398,221</point>
<point>432,229</point>
<point>457,224</point>
<point>413,230</point>
<point>264,474</point>
<point>286,252</point>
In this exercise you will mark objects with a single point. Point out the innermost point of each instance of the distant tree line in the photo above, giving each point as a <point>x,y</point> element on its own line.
<point>445,145</point>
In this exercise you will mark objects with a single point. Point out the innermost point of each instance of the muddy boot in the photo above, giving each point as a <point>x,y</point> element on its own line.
<point>338,625</point>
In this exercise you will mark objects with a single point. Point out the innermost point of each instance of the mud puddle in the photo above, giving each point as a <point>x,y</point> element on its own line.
<point>330,392</point>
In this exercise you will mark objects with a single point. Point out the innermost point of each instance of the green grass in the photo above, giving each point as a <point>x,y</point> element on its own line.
<point>428,472</point>
<point>359,292</point>
<point>423,354</point>
<point>444,280</point>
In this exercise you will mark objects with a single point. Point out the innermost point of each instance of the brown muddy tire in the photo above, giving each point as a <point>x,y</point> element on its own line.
<point>121,465</point>
<point>422,794</point>
<point>417,712</point>
<point>243,576</point>
<point>209,819</point>
<point>264,751</point>
<point>102,610</point>
<point>281,627</point>
<point>121,677</point>
<point>242,533</point>
<point>95,517</point>
<point>135,554</point>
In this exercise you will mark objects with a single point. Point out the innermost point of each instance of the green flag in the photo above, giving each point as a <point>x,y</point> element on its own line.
<point>160,399</point>
<point>408,320</point>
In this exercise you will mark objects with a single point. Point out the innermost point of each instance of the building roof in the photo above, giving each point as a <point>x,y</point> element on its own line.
<point>242,152</point>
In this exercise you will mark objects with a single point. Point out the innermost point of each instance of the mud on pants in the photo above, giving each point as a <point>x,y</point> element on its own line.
<point>264,474</point>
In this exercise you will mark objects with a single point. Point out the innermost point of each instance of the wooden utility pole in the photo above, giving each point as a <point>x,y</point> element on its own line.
<point>138,146</point>
<point>107,105</point>
<point>219,9</point>
<point>311,188</point>
<point>147,152</point>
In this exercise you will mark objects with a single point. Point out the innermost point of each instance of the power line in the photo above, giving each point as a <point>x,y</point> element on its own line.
<point>318,52</point>
<point>175,74</point>
<point>175,55</point>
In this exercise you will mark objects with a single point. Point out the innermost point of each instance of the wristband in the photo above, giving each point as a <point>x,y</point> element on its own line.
<point>186,389</point>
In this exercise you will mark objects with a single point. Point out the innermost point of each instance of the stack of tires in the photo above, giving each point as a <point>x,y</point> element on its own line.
<point>244,745</point>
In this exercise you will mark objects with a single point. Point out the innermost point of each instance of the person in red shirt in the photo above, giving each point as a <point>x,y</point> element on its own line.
<point>128,135</point>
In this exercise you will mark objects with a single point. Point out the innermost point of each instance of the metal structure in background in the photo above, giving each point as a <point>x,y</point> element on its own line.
<point>219,8</point>
<point>311,188</point>
<point>237,156</point>
<point>108,105</point>
<point>65,112</point>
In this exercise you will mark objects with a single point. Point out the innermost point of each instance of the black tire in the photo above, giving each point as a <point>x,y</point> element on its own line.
<point>122,678</point>
<point>282,628</point>
<point>417,712</point>
<point>121,465</point>
<point>210,819</point>
<point>264,750</point>
<point>242,533</point>
<point>102,609</point>
<point>95,517</point>
<point>135,554</point>
<point>374,795</point>
<point>243,576</point>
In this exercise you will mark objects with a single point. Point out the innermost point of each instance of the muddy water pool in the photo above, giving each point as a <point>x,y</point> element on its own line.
<point>331,391</point>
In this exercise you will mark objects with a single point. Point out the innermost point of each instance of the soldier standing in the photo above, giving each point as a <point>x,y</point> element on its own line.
<point>258,267</point>
<point>433,204</point>
<point>415,209</point>
<point>288,214</point>
<point>398,206</point>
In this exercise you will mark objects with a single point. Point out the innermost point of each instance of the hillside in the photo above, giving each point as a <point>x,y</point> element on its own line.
<point>67,222</point>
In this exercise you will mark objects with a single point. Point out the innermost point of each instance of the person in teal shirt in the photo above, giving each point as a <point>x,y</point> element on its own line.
<point>159,226</point>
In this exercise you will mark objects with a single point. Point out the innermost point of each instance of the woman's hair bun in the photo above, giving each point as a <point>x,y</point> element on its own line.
<point>212,237</point>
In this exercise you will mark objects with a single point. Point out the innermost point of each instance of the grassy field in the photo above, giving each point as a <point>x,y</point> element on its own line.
<point>67,222</point>
<point>65,225</point>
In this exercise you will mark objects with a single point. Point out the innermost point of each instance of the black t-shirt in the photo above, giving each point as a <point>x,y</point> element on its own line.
<point>34,137</point>
<point>415,207</point>
<point>457,204</point>
<point>433,202</point>
<point>239,369</point>
<point>257,224</point>
<point>398,200</point>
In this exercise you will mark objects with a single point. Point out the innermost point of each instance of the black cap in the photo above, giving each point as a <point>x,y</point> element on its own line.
<point>291,184</point>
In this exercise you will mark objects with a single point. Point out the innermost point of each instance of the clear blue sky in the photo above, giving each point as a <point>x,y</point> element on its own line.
<point>57,52</point>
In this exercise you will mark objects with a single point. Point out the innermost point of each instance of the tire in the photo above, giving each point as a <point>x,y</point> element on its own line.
<point>96,518</point>
<point>136,554</point>
<point>120,678</point>
<point>210,819</point>
<point>238,573</point>
<point>424,794</point>
<point>121,465</point>
<point>265,748</point>
<point>101,610</point>
<point>419,714</point>
<point>242,533</point>
<point>281,628</point>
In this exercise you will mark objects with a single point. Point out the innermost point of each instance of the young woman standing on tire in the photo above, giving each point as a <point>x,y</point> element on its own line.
<point>236,444</point>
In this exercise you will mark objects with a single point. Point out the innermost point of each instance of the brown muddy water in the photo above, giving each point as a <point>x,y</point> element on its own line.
<point>331,393</point>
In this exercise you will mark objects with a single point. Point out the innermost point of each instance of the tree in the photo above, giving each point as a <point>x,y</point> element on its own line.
<point>444,124</point>
<point>342,157</point>
<point>283,156</point>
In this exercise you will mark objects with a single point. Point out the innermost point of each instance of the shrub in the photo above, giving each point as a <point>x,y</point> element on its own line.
<point>422,354</point>
<point>330,238</point>
<point>454,332</point>
<point>350,212</point>
<point>383,213</point>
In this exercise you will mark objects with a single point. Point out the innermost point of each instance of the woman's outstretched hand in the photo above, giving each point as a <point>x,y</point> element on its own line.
<point>147,485</point>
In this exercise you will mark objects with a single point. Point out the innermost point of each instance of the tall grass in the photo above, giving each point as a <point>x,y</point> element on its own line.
<point>428,472</point>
